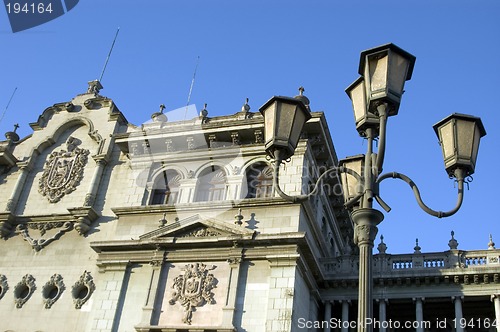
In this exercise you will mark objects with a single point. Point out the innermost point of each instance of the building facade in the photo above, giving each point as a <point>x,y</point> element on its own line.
<point>174,226</point>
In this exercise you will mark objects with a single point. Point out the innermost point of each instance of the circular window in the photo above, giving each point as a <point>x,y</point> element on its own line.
<point>81,292</point>
<point>51,292</point>
<point>22,292</point>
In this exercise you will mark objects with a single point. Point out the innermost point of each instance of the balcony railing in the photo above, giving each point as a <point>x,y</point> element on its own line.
<point>387,263</point>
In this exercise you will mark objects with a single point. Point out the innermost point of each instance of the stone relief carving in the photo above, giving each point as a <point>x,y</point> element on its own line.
<point>82,289</point>
<point>39,244</point>
<point>193,288</point>
<point>63,171</point>
<point>23,290</point>
<point>52,290</point>
<point>201,232</point>
<point>3,285</point>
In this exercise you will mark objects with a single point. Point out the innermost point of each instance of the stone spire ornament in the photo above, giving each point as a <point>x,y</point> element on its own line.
<point>12,135</point>
<point>453,244</point>
<point>382,247</point>
<point>303,98</point>
<point>417,248</point>
<point>491,244</point>
<point>159,116</point>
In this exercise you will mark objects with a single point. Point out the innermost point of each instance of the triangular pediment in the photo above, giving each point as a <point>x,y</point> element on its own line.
<point>196,226</point>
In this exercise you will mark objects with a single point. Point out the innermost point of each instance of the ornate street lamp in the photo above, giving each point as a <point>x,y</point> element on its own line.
<point>375,96</point>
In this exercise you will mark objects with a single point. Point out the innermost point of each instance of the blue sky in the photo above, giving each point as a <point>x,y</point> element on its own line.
<point>258,49</point>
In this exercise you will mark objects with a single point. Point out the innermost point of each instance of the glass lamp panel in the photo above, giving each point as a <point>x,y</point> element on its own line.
<point>377,73</point>
<point>269,118</point>
<point>465,138</point>
<point>475,144</point>
<point>447,140</point>
<point>350,185</point>
<point>397,73</point>
<point>298,124</point>
<point>358,97</point>
<point>284,120</point>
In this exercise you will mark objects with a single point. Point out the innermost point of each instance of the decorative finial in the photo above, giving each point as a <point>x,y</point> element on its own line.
<point>238,218</point>
<point>12,135</point>
<point>417,247</point>
<point>159,116</point>
<point>204,114</point>
<point>453,244</point>
<point>245,108</point>
<point>94,87</point>
<point>491,244</point>
<point>163,221</point>
<point>303,98</point>
<point>382,247</point>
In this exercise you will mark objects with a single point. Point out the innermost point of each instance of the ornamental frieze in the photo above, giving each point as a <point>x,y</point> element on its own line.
<point>63,171</point>
<point>193,288</point>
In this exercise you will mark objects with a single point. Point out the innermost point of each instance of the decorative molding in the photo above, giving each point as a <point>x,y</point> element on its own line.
<point>52,290</point>
<point>39,244</point>
<point>6,223</point>
<point>4,286</point>
<point>193,288</point>
<point>63,171</point>
<point>82,289</point>
<point>23,290</point>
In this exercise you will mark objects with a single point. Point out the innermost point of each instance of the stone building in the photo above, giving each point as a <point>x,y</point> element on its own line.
<point>174,226</point>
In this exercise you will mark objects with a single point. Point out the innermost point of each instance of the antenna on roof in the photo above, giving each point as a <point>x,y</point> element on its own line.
<point>109,55</point>
<point>191,87</point>
<point>6,107</point>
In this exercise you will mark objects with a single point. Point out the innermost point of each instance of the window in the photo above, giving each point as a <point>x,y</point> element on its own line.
<point>259,181</point>
<point>211,185</point>
<point>166,188</point>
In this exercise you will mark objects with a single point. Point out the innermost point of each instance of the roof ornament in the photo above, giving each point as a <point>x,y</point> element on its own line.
<point>382,247</point>
<point>453,244</point>
<point>417,248</point>
<point>94,87</point>
<point>159,116</point>
<point>491,244</point>
<point>12,135</point>
<point>303,98</point>
<point>204,114</point>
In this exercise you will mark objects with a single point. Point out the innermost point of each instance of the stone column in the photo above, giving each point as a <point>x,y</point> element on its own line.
<point>230,305</point>
<point>496,301</point>
<point>457,300</point>
<point>419,313</point>
<point>96,180</point>
<point>382,314</point>
<point>328,315</point>
<point>345,315</point>
<point>150,314</point>
<point>366,221</point>
<point>24,168</point>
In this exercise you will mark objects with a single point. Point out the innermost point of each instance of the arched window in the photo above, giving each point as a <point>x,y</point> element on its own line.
<point>166,188</point>
<point>212,185</point>
<point>259,181</point>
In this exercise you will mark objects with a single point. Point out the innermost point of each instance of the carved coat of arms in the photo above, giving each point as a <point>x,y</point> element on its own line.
<point>193,288</point>
<point>63,171</point>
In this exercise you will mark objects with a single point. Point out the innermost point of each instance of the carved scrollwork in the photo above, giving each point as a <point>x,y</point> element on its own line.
<point>23,290</point>
<point>39,244</point>
<point>193,288</point>
<point>3,285</point>
<point>52,290</point>
<point>82,289</point>
<point>63,171</point>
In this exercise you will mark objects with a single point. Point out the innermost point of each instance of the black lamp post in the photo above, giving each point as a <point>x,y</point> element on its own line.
<point>375,96</point>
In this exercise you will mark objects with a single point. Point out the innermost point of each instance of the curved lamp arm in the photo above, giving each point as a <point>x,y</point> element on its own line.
<point>459,174</point>
<point>302,198</point>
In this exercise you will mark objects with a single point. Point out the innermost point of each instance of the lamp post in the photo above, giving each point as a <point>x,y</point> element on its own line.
<point>376,96</point>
